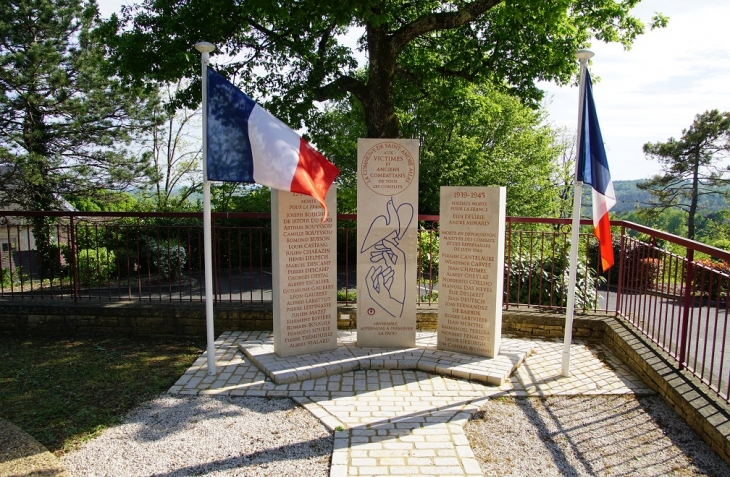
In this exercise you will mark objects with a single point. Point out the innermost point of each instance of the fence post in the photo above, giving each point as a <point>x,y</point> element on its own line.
<point>74,272</point>
<point>621,267</point>
<point>506,276</point>
<point>686,311</point>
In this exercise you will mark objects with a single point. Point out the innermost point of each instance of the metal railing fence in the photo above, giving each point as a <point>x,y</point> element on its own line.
<point>674,290</point>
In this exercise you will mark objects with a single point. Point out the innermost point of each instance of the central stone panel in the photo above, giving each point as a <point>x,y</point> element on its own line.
<point>387,227</point>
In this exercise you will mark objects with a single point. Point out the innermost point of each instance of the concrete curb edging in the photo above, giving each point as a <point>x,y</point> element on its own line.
<point>425,357</point>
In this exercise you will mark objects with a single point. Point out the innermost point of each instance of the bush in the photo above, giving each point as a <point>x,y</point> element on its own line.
<point>167,257</point>
<point>95,265</point>
<point>127,262</point>
<point>430,297</point>
<point>428,253</point>
<point>546,283</point>
<point>348,295</point>
<point>642,266</point>
<point>8,281</point>
<point>594,259</point>
<point>646,271</point>
<point>710,278</point>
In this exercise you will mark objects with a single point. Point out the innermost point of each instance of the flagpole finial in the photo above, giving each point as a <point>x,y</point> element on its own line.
<point>204,47</point>
<point>584,54</point>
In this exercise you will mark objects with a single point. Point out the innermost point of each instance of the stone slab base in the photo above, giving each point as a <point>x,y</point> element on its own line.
<point>424,357</point>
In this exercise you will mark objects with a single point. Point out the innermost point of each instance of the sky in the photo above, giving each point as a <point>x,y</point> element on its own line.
<point>651,92</point>
<point>654,91</point>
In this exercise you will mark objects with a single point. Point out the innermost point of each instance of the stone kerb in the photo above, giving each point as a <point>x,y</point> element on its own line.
<point>304,273</point>
<point>387,227</point>
<point>471,266</point>
<point>348,357</point>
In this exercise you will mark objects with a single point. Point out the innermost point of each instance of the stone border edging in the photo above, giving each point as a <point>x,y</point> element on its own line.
<point>347,357</point>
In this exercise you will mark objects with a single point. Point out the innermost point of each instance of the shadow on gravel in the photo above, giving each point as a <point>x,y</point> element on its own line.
<point>591,435</point>
<point>163,418</point>
<point>314,448</point>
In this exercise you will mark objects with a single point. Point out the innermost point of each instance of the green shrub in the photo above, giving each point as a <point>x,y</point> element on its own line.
<point>428,253</point>
<point>126,262</point>
<point>167,257</point>
<point>430,297</point>
<point>545,283</point>
<point>710,278</point>
<point>95,265</point>
<point>5,279</point>
<point>349,295</point>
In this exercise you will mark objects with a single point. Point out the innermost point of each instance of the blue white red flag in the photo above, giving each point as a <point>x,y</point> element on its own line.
<point>246,143</point>
<point>593,169</point>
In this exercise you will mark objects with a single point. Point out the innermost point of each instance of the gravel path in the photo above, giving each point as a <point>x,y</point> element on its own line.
<point>235,436</point>
<point>588,435</point>
<point>216,436</point>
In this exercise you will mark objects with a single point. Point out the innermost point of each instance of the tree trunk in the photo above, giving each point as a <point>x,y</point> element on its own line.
<point>693,199</point>
<point>35,141</point>
<point>379,105</point>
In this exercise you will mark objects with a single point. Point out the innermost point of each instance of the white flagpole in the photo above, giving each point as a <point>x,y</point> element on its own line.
<point>205,48</point>
<point>583,56</point>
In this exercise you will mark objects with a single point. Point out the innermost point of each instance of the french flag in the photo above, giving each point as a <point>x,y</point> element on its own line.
<point>245,143</point>
<point>593,169</point>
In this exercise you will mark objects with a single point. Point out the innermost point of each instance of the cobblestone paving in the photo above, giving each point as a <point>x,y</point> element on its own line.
<point>395,421</point>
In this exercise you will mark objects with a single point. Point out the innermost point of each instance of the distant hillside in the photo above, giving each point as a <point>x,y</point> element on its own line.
<point>628,196</point>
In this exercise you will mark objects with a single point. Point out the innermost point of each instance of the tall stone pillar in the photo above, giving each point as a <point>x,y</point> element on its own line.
<point>387,228</point>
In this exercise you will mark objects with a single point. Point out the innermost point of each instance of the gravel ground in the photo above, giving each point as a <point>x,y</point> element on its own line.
<point>215,436</point>
<point>588,435</point>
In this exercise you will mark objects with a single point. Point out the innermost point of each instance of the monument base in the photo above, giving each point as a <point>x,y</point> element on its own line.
<point>423,357</point>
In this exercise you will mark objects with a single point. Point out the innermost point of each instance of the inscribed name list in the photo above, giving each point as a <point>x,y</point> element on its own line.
<point>387,225</point>
<point>471,264</point>
<point>304,273</point>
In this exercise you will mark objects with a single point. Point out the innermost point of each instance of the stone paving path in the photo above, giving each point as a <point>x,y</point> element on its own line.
<point>398,419</point>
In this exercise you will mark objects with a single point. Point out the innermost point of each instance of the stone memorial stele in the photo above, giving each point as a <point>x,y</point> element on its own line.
<point>471,268</point>
<point>304,269</point>
<point>387,228</point>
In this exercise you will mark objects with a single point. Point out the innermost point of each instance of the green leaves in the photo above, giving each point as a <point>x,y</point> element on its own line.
<point>293,53</point>
<point>67,124</point>
<point>470,135</point>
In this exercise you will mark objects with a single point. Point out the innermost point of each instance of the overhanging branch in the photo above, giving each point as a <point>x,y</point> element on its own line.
<point>343,84</point>
<point>441,21</point>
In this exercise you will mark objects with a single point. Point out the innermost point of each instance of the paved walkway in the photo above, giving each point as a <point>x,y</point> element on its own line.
<point>390,416</point>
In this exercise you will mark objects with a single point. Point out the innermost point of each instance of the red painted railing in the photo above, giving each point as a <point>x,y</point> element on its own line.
<point>674,290</point>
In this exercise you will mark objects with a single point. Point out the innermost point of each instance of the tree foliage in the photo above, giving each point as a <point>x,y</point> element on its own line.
<point>474,136</point>
<point>692,166</point>
<point>66,124</point>
<point>293,53</point>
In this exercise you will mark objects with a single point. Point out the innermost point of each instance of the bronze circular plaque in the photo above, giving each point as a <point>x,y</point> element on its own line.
<point>387,168</point>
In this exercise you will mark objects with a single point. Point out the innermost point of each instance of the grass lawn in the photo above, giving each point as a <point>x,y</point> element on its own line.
<point>65,390</point>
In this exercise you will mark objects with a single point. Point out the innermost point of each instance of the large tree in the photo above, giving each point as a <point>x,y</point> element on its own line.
<point>293,53</point>
<point>66,123</point>
<point>483,137</point>
<point>692,166</point>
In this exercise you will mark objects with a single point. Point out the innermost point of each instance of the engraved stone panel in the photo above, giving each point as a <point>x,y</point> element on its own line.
<point>304,268</point>
<point>471,268</point>
<point>387,227</point>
